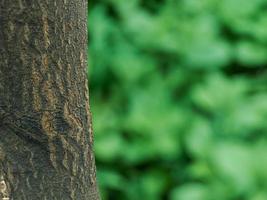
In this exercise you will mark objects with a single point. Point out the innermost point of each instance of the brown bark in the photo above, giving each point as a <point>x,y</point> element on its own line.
<point>45,124</point>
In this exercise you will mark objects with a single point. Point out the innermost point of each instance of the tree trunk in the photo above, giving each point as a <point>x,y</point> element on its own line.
<point>45,124</point>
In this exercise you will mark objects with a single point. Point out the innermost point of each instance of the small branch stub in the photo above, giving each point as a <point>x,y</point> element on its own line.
<point>3,189</point>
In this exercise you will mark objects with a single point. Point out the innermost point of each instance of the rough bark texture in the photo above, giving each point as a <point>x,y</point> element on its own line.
<point>45,124</point>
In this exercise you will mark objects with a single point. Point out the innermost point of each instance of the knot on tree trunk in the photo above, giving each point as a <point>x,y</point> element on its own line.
<point>3,189</point>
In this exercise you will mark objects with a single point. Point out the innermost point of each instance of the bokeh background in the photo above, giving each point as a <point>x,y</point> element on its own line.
<point>179,98</point>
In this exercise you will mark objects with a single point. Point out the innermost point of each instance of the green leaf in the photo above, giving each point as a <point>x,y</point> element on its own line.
<point>192,191</point>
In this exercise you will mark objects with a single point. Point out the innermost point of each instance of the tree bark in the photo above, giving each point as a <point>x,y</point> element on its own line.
<point>45,122</point>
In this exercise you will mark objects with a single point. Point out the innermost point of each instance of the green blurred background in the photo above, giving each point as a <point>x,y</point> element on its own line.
<point>179,98</point>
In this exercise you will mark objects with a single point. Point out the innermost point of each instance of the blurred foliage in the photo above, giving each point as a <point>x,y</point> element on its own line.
<point>179,98</point>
